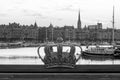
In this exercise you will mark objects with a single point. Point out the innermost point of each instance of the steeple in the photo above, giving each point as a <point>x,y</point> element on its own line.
<point>79,21</point>
<point>35,24</point>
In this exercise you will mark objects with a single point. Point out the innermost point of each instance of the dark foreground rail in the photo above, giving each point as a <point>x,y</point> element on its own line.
<point>59,76</point>
<point>42,69</point>
<point>80,72</point>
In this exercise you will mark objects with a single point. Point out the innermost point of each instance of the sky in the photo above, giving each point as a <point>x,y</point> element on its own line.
<point>60,12</point>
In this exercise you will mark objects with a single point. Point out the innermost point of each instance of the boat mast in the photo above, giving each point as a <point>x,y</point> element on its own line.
<point>52,34</point>
<point>51,30</point>
<point>46,34</point>
<point>69,35</point>
<point>113,26</point>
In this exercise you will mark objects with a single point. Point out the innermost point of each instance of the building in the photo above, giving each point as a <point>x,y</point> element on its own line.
<point>58,32</point>
<point>3,32</point>
<point>98,26</point>
<point>50,31</point>
<point>30,33</point>
<point>91,33</point>
<point>69,33</point>
<point>14,31</point>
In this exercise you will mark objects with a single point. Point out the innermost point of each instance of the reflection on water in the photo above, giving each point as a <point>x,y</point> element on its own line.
<point>29,56</point>
<point>19,56</point>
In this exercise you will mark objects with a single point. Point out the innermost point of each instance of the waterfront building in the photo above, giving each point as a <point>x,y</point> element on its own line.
<point>82,35</point>
<point>95,33</point>
<point>42,34</point>
<point>31,33</point>
<point>117,34</point>
<point>95,27</point>
<point>91,33</point>
<point>14,31</point>
<point>58,32</point>
<point>69,33</point>
<point>2,32</point>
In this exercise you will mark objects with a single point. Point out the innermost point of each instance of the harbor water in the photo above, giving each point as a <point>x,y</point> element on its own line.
<point>28,55</point>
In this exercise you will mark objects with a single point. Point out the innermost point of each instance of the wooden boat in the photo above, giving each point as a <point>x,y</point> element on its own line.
<point>117,51</point>
<point>99,51</point>
<point>15,45</point>
<point>113,51</point>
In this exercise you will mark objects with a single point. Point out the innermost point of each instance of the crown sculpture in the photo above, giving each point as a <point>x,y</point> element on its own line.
<point>59,58</point>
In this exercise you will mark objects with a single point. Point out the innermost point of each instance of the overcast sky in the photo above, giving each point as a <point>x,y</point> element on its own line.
<point>59,12</point>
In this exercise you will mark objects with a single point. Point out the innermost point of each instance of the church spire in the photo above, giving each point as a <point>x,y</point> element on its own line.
<point>79,21</point>
<point>35,24</point>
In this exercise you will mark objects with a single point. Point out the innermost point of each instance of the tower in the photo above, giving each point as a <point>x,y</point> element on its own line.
<point>79,21</point>
<point>35,24</point>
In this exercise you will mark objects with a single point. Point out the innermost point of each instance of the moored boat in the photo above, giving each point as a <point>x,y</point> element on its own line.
<point>117,51</point>
<point>113,51</point>
<point>99,51</point>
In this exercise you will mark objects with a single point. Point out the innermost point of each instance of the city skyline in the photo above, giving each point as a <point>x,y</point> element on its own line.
<point>59,13</point>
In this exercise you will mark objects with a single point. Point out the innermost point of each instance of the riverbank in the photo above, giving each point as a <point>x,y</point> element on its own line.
<point>4,45</point>
<point>18,45</point>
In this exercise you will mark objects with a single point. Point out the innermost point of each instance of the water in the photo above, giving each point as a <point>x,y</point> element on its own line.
<point>21,56</point>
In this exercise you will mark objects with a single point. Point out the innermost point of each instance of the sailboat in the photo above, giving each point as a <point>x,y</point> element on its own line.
<point>113,51</point>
